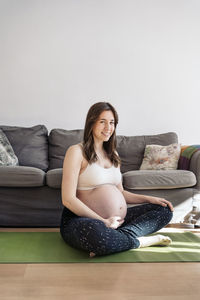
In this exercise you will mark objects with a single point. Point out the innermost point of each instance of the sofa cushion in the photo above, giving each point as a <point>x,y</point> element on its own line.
<point>139,180</point>
<point>158,157</point>
<point>18,176</point>
<point>59,141</point>
<point>30,145</point>
<point>131,148</point>
<point>54,178</point>
<point>7,155</point>
<point>159,179</point>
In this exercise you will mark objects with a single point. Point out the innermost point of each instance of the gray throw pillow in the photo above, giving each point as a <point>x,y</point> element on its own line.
<point>7,155</point>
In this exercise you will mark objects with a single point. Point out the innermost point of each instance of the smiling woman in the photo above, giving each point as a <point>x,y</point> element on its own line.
<point>95,217</point>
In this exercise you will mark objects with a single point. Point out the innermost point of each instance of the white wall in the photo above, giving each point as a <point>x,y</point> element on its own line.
<point>57,57</point>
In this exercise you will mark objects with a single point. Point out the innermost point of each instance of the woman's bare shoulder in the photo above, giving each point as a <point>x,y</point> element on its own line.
<point>75,150</point>
<point>73,157</point>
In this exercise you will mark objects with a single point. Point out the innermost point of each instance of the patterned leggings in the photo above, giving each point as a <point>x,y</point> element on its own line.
<point>93,236</point>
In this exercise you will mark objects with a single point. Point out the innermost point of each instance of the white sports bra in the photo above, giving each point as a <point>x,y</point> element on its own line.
<point>95,175</point>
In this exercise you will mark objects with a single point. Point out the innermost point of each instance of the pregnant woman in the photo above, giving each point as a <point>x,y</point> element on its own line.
<point>95,217</point>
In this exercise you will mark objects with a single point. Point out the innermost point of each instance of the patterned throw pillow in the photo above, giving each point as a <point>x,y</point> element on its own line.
<point>158,157</point>
<point>7,155</point>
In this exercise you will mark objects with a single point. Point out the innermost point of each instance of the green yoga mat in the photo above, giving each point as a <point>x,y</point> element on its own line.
<point>48,247</point>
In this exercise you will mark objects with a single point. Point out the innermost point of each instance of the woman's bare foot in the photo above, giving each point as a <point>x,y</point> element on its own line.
<point>162,240</point>
<point>92,254</point>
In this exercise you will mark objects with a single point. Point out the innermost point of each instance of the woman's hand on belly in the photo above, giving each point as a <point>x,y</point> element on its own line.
<point>114,222</point>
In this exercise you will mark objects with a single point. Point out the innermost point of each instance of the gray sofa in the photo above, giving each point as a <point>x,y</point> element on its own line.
<point>30,194</point>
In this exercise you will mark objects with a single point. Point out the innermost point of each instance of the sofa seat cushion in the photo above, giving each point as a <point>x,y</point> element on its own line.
<point>158,179</point>
<point>54,178</point>
<point>19,176</point>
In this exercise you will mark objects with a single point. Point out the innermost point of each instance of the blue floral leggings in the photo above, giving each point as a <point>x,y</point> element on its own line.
<point>93,236</point>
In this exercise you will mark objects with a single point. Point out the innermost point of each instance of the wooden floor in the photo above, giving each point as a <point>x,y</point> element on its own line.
<point>134,281</point>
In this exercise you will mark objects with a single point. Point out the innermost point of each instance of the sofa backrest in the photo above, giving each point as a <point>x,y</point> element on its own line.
<point>30,145</point>
<point>131,148</point>
<point>59,141</point>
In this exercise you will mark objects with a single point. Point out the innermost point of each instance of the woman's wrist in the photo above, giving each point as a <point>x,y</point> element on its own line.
<point>143,198</point>
<point>101,219</point>
<point>147,198</point>
<point>105,221</point>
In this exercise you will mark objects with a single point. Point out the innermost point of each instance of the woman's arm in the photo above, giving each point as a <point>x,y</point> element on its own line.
<point>132,198</point>
<point>71,170</point>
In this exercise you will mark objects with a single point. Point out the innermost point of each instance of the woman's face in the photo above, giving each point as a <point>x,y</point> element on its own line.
<point>104,126</point>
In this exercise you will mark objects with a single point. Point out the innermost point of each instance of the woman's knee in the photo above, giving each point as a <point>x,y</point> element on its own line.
<point>96,237</point>
<point>167,213</point>
<point>100,238</point>
<point>82,228</point>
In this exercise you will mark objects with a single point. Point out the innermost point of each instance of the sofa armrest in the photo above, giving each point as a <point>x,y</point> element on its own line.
<point>195,167</point>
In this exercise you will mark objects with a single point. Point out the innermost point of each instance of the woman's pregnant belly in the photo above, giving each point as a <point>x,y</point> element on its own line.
<point>106,200</point>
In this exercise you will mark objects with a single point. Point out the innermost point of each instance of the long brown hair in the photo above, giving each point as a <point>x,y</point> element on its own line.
<point>88,140</point>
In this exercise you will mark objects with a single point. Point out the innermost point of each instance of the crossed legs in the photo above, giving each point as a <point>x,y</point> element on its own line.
<point>93,236</point>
